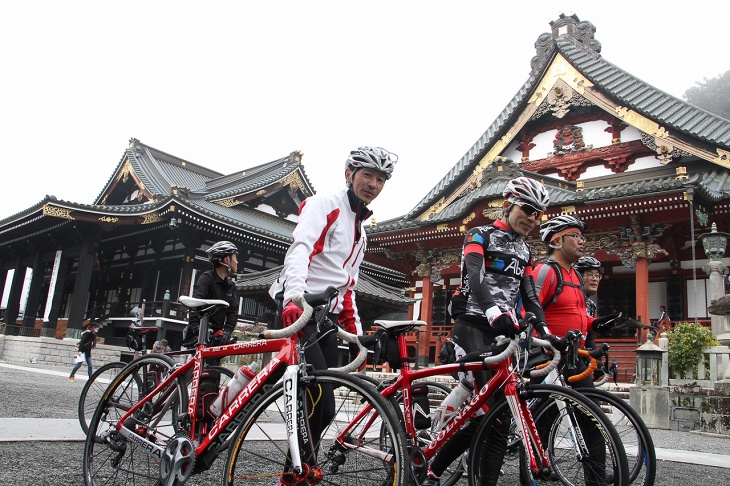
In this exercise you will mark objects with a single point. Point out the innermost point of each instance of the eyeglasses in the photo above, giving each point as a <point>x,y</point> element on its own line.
<point>595,276</point>
<point>529,209</point>
<point>577,236</point>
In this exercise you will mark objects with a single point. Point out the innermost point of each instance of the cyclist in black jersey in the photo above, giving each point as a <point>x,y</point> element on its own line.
<point>496,272</point>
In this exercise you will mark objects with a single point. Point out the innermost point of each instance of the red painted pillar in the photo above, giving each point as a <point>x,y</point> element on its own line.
<point>424,338</point>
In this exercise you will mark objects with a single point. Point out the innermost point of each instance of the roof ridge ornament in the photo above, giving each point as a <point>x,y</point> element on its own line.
<point>566,24</point>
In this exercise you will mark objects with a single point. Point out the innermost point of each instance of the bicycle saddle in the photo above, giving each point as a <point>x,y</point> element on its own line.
<point>400,325</point>
<point>194,303</point>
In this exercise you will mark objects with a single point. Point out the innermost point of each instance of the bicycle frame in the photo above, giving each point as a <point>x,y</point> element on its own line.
<point>504,377</point>
<point>285,361</point>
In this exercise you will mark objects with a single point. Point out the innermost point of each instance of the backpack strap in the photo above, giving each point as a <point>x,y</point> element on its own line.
<point>542,276</point>
<point>543,273</point>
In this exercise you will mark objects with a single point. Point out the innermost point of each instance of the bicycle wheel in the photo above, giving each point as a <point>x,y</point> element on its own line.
<point>259,451</point>
<point>635,436</point>
<point>567,421</point>
<point>94,390</point>
<point>132,455</point>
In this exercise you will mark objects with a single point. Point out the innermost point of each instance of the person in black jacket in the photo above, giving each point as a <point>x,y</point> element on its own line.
<point>88,341</point>
<point>216,284</point>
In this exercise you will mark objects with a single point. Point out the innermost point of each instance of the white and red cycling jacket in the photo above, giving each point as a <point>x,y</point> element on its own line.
<point>329,245</point>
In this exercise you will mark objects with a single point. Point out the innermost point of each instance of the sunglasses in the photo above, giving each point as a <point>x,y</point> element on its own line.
<point>529,210</point>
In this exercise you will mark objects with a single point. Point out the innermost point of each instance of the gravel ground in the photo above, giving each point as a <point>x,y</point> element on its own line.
<point>28,394</point>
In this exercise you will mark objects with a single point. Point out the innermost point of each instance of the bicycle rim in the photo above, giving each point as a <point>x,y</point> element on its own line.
<point>563,413</point>
<point>259,451</point>
<point>634,434</point>
<point>112,459</point>
<point>94,390</point>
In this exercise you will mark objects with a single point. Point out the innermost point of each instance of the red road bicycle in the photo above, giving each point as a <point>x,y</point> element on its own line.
<point>165,436</point>
<point>575,416</point>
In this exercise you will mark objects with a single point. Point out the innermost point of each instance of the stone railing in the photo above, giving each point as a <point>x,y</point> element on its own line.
<point>711,367</point>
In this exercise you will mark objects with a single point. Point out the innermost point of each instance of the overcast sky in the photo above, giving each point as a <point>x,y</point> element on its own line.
<point>230,85</point>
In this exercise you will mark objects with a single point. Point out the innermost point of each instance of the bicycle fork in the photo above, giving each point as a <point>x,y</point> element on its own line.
<point>297,428</point>
<point>526,428</point>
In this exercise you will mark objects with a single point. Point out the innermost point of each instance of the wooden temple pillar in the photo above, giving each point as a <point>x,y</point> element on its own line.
<point>16,288</point>
<point>34,292</point>
<point>642,296</point>
<point>82,283</point>
<point>55,294</point>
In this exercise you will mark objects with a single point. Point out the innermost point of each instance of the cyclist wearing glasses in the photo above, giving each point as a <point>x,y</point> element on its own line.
<point>496,272</point>
<point>328,247</point>
<point>216,284</point>
<point>559,285</point>
<point>563,298</point>
<point>590,270</point>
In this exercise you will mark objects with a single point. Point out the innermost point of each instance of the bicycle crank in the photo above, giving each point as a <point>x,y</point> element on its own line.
<point>177,461</point>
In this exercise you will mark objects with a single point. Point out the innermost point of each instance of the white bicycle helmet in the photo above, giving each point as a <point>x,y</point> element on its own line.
<point>526,190</point>
<point>559,223</point>
<point>372,158</point>
<point>220,250</point>
<point>587,263</point>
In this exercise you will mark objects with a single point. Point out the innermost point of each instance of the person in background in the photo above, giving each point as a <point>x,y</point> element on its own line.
<point>161,347</point>
<point>590,269</point>
<point>216,284</point>
<point>664,323</point>
<point>86,344</point>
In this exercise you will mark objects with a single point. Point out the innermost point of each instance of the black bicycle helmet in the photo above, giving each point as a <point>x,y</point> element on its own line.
<point>557,224</point>
<point>526,190</point>
<point>372,158</point>
<point>587,263</point>
<point>220,250</point>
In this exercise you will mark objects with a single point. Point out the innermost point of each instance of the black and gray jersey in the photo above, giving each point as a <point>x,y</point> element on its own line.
<point>506,257</point>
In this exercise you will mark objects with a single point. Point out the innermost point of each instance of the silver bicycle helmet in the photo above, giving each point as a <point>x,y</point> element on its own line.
<point>220,250</point>
<point>587,263</point>
<point>526,190</point>
<point>372,158</point>
<point>559,223</point>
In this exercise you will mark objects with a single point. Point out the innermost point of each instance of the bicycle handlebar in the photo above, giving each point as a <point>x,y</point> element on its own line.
<point>539,373</point>
<point>355,364</point>
<point>298,325</point>
<point>588,371</point>
<point>509,350</point>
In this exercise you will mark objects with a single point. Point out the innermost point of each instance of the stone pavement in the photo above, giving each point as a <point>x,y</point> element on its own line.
<point>683,447</point>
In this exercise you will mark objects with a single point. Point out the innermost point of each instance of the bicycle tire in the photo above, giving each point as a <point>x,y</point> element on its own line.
<point>566,467</point>
<point>258,452</point>
<point>634,433</point>
<point>110,458</point>
<point>94,389</point>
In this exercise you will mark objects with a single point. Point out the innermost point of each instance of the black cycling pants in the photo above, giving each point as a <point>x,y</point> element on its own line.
<point>473,339</point>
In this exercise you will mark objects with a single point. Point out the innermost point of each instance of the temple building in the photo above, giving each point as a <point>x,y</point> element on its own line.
<point>143,241</point>
<point>648,173</point>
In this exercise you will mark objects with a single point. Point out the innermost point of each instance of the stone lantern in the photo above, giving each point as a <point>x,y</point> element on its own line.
<point>650,397</point>
<point>649,365</point>
<point>714,244</point>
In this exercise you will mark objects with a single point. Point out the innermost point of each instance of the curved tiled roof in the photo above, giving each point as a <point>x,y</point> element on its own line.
<point>257,178</point>
<point>583,52</point>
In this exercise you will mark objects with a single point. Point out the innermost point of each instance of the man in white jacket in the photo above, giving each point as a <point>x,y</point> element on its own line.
<point>329,244</point>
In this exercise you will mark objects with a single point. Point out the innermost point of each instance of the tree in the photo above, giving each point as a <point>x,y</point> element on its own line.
<point>712,95</point>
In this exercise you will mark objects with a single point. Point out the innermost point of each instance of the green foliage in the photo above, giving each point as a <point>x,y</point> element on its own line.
<point>686,343</point>
<point>712,95</point>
